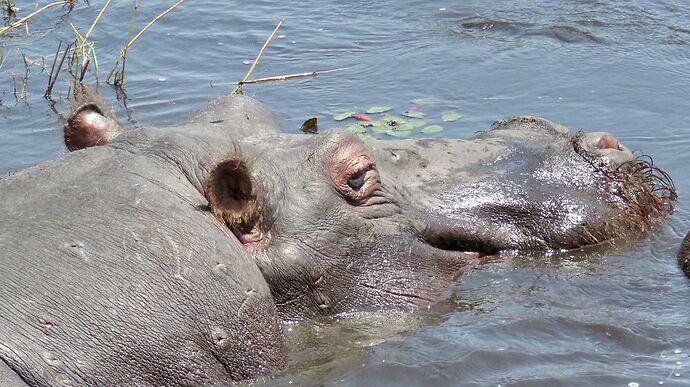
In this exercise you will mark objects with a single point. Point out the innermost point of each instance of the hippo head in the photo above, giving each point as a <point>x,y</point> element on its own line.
<point>336,224</point>
<point>327,232</point>
<point>529,184</point>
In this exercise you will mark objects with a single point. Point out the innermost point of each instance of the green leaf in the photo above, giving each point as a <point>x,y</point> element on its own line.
<point>356,128</point>
<point>343,116</point>
<point>399,133</point>
<point>411,125</point>
<point>432,129</point>
<point>414,114</point>
<point>378,109</point>
<point>423,101</point>
<point>380,128</point>
<point>310,126</point>
<point>381,122</point>
<point>366,136</point>
<point>450,116</point>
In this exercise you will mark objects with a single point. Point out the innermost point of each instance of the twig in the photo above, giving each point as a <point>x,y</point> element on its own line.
<point>26,18</point>
<point>81,51</point>
<point>49,90</point>
<point>123,51</point>
<point>84,67</point>
<point>25,79</point>
<point>93,25</point>
<point>256,60</point>
<point>288,76</point>
<point>52,70</point>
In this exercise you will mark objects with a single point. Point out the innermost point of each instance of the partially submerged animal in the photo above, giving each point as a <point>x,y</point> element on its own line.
<point>169,256</point>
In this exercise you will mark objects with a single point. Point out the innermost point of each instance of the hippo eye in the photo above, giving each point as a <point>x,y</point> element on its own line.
<point>353,173</point>
<point>356,181</point>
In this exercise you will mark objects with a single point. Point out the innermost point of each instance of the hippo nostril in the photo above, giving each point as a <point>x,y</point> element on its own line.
<point>607,141</point>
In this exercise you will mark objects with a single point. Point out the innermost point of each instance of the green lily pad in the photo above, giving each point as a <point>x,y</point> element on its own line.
<point>414,114</point>
<point>356,128</point>
<point>366,136</point>
<point>378,109</point>
<point>380,128</point>
<point>450,116</point>
<point>399,133</point>
<point>423,101</point>
<point>411,125</point>
<point>343,116</point>
<point>432,129</point>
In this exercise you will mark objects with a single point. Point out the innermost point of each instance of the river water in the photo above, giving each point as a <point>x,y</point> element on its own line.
<point>615,316</point>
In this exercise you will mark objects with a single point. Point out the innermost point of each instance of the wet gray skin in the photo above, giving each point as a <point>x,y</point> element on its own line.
<point>528,184</point>
<point>169,256</point>
<point>684,255</point>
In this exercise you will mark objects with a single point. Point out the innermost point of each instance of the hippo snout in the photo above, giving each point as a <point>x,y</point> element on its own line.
<point>606,147</point>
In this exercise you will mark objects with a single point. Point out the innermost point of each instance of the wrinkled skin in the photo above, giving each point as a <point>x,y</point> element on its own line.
<point>169,256</point>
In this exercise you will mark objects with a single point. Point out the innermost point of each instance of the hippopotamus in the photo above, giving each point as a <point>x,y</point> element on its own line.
<point>171,256</point>
<point>684,255</point>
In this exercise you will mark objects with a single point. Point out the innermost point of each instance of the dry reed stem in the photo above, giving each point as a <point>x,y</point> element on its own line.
<point>288,76</point>
<point>95,21</point>
<point>52,79</point>
<point>52,71</point>
<point>80,52</point>
<point>123,51</point>
<point>258,56</point>
<point>25,19</point>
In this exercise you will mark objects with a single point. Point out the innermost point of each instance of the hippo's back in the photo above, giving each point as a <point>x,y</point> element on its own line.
<point>112,272</point>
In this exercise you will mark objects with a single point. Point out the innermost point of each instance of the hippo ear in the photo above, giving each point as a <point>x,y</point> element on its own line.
<point>88,127</point>
<point>232,195</point>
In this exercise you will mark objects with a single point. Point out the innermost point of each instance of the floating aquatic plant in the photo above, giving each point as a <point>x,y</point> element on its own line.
<point>378,109</point>
<point>414,114</point>
<point>380,120</point>
<point>343,116</point>
<point>423,101</point>
<point>432,129</point>
<point>449,116</point>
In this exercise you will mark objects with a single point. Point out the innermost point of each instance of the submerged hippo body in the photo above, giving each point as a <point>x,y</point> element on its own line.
<point>170,256</point>
<point>684,255</point>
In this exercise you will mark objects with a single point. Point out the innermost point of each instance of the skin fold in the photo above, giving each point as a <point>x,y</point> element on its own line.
<point>170,256</point>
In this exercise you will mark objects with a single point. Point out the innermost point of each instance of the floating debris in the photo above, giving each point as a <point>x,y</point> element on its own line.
<point>310,126</point>
<point>360,117</point>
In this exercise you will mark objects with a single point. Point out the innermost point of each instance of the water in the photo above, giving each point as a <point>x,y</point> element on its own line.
<point>612,317</point>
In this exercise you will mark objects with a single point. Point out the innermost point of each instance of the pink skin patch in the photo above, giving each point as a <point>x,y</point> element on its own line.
<point>607,141</point>
<point>250,238</point>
